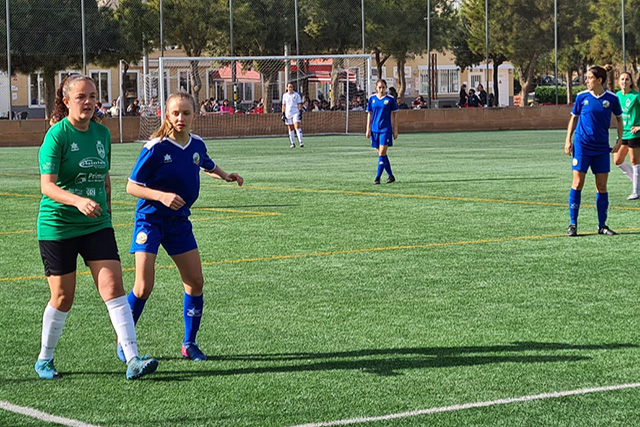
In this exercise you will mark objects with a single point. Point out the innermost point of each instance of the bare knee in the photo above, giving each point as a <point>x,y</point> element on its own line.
<point>194,285</point>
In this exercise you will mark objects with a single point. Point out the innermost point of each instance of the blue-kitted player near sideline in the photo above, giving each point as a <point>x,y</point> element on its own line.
<point>590,119</point>
<point>166,179</point>
<point>382,127</point>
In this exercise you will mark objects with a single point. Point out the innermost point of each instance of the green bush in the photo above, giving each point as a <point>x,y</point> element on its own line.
<point>547,94</point>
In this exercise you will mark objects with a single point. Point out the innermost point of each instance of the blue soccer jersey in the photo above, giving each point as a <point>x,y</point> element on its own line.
<point>381,109</point>
<point>594,118</point>
<point>167,166</point>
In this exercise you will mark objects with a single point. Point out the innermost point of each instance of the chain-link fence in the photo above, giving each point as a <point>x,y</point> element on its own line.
<point>509,47</point>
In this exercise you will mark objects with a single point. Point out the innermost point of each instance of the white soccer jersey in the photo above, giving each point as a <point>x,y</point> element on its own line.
<point>290,102</point>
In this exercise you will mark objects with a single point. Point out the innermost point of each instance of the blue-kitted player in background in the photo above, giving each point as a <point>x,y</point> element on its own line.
<point>166,179</point>
<point>590,118</point>
<point>382,127</point>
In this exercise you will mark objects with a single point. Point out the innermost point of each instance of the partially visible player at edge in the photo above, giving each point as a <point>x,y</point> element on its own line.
<point>590,119</point>
<point>630,103</point>
<point>292,115</point>
<point>166,179</point>
<point>75,218</point>
<point>382,127</point>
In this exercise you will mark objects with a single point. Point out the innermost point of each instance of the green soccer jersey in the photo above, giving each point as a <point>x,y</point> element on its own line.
<point>630,104</point>
<point>81,160</point>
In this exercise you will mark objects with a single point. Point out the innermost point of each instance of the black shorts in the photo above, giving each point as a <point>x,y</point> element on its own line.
<point>632,143</point>
<point>60,256</point>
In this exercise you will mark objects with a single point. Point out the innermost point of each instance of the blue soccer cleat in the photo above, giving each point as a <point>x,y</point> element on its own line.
<point>46,370</point>
<point>193,352</point>
<point>141,366</point>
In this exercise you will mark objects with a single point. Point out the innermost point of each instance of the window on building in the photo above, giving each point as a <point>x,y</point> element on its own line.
<point>102,79</point>
<point>36,90</point>
<point>184,80</point>
<point>424,82</point>
<point>448,81</point>
<point>245,91</point>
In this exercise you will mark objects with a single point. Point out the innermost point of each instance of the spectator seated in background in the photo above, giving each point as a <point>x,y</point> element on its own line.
<point>402,105</point>
<point>114,111</point>
<point>473,100</point>
<point>316,106</point>
<point>215,105</point>
<point>482,94</point>
<point>462,98</point>
<point>356,106</point>
<point>324,105</point>
<point>134,108</point>
<point>418,103</point>
<point>205,107</point>
<point>226,108</point>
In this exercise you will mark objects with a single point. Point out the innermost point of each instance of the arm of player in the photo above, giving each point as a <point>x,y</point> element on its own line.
<point>620,128</point>
<point>368,132</point>
<point>394,124</point>
<point>107,190</point>
<point>568,145</point>
<point>218,173</point>
<point>86,206</point>
<point>170,200</point>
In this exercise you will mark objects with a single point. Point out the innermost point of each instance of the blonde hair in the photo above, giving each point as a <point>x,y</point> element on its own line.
<point>165,129</point>
<point>60,110</point>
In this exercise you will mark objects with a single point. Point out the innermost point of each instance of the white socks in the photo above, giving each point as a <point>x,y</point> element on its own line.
<point>52,325</point>
<point>627,170</point>
<point>636,178</point>
<point>299,133</point>
<point>292,136</point>
<point>122,321</point>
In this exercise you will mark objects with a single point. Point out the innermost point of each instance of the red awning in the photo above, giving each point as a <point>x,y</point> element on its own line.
<point>243,76</point>
<point>320,71</point>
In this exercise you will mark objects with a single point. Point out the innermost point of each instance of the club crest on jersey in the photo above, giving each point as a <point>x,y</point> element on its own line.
<point>628,103</point>
<point>605,104</point>
<point>74,147</point>
<point>386,101</point>
<point>100,149</point>
<point>196,158</point>
<point>141,238</point>
<point>586,102</point>
<point>167,158</point>
<point>575,162</point>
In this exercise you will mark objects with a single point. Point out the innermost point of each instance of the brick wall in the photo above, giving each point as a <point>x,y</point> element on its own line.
<point>31,132</point>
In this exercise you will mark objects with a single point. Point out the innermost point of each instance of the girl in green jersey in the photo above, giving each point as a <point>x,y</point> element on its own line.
<point>75,219</point>
<point>630,103</point>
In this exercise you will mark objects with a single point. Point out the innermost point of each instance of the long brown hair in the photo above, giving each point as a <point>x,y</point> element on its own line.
<point>166,128</point>
<point>60,110</point>
<point>633,84</point>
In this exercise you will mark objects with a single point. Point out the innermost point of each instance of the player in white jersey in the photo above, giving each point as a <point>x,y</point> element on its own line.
<point>292,114</point>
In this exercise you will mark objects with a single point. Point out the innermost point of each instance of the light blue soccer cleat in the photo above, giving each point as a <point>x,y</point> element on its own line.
<point>193,352</point>
<point>141,366</point>
<point>46,370</point>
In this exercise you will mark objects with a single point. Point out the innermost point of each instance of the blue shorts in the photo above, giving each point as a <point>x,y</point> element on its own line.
<point>600,163</point>
<point>381,138</point>
<point>174,233</point>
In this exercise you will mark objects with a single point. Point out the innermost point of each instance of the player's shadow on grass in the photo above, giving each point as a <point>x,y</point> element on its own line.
<point>388,362</point>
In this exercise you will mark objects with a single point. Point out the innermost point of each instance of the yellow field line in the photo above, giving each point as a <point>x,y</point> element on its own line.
<point>420,196</point>
<point>129,224</point>
<point>343,252</point>
<point>31,196</point>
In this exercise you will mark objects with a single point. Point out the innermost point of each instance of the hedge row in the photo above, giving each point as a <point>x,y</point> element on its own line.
<point>547,94</point>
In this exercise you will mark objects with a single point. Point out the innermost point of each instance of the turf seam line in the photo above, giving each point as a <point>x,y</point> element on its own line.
<point>34,413</point>
<point>460,407</point>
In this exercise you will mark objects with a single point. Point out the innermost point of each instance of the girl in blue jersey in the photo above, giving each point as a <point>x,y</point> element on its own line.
<point>166,179</point>
<point>590,119</point>
<point>382,127</point>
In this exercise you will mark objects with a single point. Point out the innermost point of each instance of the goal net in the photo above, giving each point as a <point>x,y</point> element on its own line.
<point>242,96</point>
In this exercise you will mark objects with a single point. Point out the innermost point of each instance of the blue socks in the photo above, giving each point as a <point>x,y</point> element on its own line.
<point>574,205</point>
<point>137,305</point>
<point>602,205</point>
<point>192,313</point>
<point>383,165</point>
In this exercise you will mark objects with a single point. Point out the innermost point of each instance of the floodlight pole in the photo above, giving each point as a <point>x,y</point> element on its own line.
<point>297,47</point>
<point>162,29</point>
<point>84,39</point>
<point>9,58</point>
<point>233,62</point>
<point>624,47</point>
<point>429,53</point>
<point>486,42</point>
<point>364,49</point>
<point>555,44</point>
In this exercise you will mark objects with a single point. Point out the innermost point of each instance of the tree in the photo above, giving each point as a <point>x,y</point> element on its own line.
<point>197,27</point>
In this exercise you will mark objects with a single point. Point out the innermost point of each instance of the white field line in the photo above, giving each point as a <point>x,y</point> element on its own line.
<point>34,413</point>
<point>472,405</point>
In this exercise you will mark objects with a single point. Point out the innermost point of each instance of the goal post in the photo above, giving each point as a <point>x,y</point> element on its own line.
<point>334,89</point>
